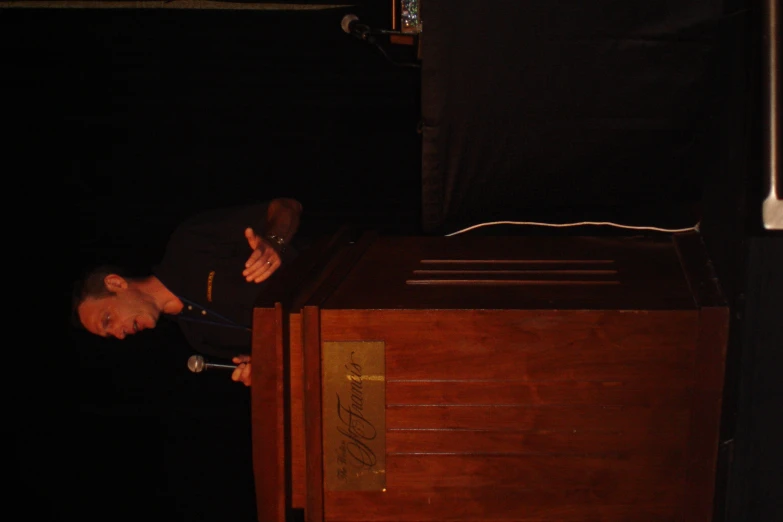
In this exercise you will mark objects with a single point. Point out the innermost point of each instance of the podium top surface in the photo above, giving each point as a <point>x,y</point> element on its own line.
<point>492,272</point>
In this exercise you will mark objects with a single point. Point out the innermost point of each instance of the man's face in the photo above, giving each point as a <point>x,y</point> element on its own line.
<point>125,312</point>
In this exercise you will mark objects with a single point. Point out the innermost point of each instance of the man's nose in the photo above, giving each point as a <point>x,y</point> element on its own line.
<point>118,332</point>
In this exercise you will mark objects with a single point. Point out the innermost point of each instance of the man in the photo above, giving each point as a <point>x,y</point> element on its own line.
<point>214,267</point>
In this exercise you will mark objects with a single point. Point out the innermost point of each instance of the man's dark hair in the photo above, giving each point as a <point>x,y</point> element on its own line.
<point>91,285</point>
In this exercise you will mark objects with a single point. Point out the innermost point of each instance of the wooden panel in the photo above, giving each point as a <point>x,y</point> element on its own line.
<point>635,438</point>
<point>614,419</point>
<point>515,273</point>
<point>494,504</point>
<point>563,417</point>
<point>296,369</point>
<point>528,414</point>
<point>311,346</point>
<point>525,345</point>
<point>475,392</point>
<point>534,487</point>
<point>268,414</point>
<point>416,472</point>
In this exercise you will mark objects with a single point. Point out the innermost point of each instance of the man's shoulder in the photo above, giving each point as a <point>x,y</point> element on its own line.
<point>218,217</point>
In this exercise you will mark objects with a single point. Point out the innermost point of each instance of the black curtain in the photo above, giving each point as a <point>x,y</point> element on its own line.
<point>572,111</point>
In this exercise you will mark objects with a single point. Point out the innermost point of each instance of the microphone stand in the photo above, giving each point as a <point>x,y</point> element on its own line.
<point>366,34</point>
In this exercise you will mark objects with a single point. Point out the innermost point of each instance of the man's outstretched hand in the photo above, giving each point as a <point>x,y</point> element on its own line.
<point>263,261</point>
<point>242,371</point>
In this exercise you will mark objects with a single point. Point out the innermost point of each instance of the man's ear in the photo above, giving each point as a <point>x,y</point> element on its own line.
<point>115,283</point>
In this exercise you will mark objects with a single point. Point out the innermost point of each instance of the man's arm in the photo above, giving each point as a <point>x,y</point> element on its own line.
<point>282,222</point>
<point>282,218</point>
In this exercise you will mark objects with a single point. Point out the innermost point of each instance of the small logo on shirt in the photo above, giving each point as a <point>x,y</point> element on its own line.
<point>210,279</point>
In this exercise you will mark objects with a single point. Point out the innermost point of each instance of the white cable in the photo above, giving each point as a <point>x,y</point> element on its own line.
<point>581,223</point>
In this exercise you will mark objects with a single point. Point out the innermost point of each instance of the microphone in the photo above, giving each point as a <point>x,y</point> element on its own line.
<point>197,364</point>
<point>350,24</point>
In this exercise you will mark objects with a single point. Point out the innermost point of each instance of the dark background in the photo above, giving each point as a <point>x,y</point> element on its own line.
<point>123,121</point>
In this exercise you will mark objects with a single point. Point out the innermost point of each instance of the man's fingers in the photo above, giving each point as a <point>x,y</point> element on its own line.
<point>236,375</point>
<point>242,373</point>
<point>261,271</point>
<point>246,376</point>
<point>265,275</point>
<point>259,265</point>
<point>254,258</point>
<point>262,267</point>
<point>252,239</point>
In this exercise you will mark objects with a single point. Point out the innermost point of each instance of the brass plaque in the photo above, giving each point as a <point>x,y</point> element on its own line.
<point>354,415</point>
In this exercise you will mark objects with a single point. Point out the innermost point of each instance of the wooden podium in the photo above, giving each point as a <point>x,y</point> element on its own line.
<point>489,378</point>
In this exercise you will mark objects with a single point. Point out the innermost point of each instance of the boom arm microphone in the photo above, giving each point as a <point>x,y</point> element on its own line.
<point>351,25</point>
<point>197,364</point>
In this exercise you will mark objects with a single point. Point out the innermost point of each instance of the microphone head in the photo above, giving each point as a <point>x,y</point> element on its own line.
<point>196,363</point>
<point>346,22</point>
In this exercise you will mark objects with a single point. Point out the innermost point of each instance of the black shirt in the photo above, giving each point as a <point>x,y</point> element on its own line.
<point>203,265</point>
